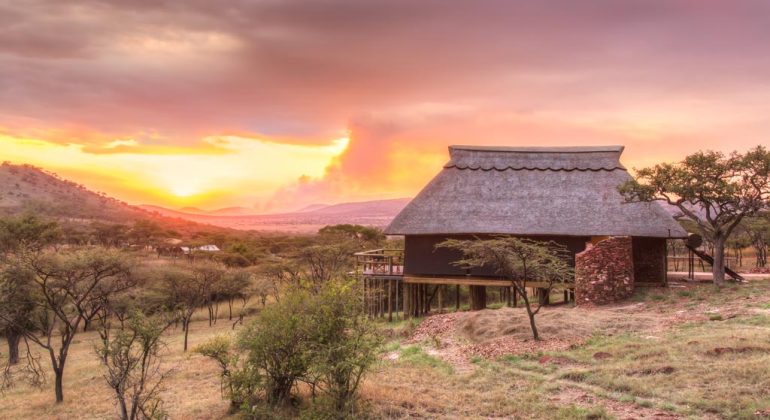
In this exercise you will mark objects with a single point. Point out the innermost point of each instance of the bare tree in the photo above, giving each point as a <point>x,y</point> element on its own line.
<point>132,360</point>
<point>520,261</point>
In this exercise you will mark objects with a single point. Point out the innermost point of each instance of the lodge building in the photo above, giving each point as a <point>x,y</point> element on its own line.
<point>564,194</point>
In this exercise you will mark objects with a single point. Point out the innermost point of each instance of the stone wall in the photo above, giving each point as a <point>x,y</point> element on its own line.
<point>604,272</point>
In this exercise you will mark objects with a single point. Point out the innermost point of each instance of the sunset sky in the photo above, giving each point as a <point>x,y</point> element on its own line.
<point>276,104</point>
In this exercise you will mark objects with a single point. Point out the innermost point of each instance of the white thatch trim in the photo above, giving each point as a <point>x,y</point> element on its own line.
<point>532,191</point>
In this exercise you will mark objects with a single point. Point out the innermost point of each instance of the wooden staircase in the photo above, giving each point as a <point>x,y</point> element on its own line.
<point>709,259</point>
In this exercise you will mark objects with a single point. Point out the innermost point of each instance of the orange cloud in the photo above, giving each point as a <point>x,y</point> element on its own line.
<point>191,102</point>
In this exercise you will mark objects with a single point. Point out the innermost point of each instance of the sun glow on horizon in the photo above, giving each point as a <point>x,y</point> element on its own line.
<point>237,171</point>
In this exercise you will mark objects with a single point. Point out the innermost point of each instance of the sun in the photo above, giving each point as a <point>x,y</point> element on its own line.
<point>184,191</point>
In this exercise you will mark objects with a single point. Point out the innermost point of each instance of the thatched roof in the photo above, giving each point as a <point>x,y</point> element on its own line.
<point>568,191</point>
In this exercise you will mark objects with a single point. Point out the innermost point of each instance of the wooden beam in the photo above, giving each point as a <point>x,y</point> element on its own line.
<point>479,281</point>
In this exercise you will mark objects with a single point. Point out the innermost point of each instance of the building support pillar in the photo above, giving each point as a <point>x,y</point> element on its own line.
<point>478,297</point>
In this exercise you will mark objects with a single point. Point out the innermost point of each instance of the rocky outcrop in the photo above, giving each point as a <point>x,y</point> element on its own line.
<point>604,272</point>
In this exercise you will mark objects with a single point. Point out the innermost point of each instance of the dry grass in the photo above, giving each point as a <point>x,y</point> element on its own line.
<point>666,356</point>
<point>564,322</point>
<point>661,355</point>
<point>191,391</point>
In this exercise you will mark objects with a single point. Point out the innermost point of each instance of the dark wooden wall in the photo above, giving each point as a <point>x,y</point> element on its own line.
<point>649,260</point>
<point>422,258</point>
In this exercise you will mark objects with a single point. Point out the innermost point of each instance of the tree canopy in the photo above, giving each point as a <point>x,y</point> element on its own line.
<point>715,190</point>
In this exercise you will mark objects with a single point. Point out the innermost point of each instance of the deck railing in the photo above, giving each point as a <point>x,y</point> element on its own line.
<point>382,262</point>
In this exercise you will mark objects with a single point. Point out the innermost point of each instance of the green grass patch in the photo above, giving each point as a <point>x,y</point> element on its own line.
<point>715,317</point>
<point>756,320</point>
<point>575,412</point>
<point>416,356</point>
<point>391,346</point>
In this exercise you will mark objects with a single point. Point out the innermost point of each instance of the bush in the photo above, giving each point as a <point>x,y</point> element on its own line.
<point>322,339</point>
<point>277,344</point>
<point>239,383</point>
<point>344,343</point>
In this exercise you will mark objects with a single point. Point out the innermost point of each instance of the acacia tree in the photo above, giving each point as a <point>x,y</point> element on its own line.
<point>66,283</point>
<point>20,239</point>
<point>322,263</point>
<point>17,307</point>
<point>235,285</point>
<point>210,277</point>
<point>183,292</point>
<point>758,231</point>
<point>714,190</point>
<point>520,261</point>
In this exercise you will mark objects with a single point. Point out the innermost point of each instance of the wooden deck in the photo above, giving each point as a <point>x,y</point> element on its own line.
<point>478,281</point>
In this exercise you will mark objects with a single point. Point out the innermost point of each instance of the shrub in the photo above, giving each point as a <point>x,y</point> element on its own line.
<point>276,344</point>
<point>239,383</point>
<point>344,343</point>
<point>322,339</point>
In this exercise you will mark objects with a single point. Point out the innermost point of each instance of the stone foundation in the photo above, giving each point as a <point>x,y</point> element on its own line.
<point>604,272</point>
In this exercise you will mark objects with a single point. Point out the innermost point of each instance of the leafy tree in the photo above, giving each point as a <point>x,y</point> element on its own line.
<point>365,236</point>
<point>321,263</point>
<point>132,361</point>
<point>185,290</point>
<point>211,277</point>
<point>758,231</point>
<point>21,239</point>
<point>66,284</point>
<point>109,235</point>
<point>181,294</point>
<point>520,261</point>
<point>26,235</point>
<point>17,307</point>
<point>235,285</point>
<point>715,190</point>
<point>145,232</point>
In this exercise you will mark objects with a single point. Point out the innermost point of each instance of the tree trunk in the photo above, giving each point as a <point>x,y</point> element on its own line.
<point>59,385</point>
<point>532,325</point>
<point>718,269</point>
<point>13,339</point>
<point>186,324</point>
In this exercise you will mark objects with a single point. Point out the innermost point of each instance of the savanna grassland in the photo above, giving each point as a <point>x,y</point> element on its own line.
<point>689,351</point>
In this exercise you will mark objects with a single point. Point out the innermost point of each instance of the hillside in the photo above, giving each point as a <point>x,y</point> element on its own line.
<point>28,189</point>
<point>370,213</point>
<point>25,188</point>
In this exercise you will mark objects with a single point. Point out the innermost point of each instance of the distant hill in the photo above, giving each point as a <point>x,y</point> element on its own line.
<point>227,211</point>
<point>309,219</point>
<point>310,207</point>
<point>25,188</point>
<point>28,189</point>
